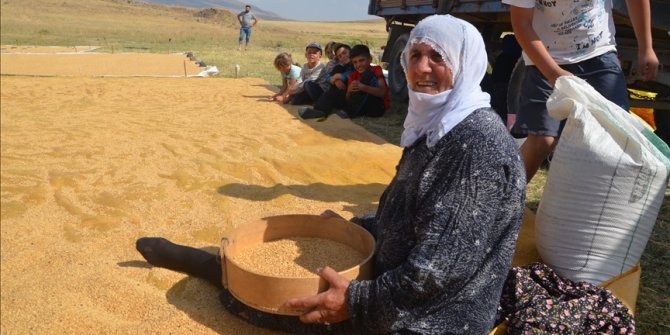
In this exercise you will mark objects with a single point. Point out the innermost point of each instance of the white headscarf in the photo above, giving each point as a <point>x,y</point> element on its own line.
<point>462,48</point>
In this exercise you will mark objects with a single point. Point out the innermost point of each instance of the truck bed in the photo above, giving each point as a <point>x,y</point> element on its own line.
<point>492,11</point>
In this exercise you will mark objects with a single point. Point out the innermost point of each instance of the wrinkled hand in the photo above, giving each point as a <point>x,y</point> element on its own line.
<point>326,307</point>
<point>648,64</point>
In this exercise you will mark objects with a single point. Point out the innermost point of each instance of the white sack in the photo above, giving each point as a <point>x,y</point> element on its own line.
<point>209,71</point>
<point>605,186</point>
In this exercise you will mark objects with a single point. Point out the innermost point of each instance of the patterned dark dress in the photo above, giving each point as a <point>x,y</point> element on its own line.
<point>446,229</point>
<point>535,300</point>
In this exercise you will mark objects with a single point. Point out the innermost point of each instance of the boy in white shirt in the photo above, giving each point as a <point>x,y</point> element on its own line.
<point>312,73</point>
<point>562,38</point>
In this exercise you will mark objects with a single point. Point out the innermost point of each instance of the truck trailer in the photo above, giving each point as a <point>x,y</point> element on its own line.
<point>492,18</point>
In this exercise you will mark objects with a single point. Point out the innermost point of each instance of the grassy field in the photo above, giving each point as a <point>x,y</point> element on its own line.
<point>127,26</point>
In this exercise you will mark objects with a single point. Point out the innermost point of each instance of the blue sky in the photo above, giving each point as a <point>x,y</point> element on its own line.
<point>310,10</point>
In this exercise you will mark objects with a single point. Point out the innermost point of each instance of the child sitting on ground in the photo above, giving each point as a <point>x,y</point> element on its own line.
<point>290,75</point>
<point>307,90</point>
<point>329,51</point>
<point>316,88</point>
<point>367,93</point>
<point>334,96</point>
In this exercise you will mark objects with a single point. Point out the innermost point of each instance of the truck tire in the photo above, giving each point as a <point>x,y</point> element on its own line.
<point>397,80</point>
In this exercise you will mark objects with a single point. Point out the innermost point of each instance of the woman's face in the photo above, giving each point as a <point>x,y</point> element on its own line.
<point>427,72</point>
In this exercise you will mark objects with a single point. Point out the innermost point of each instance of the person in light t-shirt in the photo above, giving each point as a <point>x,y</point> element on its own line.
<point>561,38</point>
<point>247,21</point>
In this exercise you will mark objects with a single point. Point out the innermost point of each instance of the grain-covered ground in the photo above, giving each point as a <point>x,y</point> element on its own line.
<point>90,164</point>
<point>123,26</point>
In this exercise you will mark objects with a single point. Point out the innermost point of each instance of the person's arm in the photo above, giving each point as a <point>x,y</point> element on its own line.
<point>335,78</point>
<point>253,18</point>
<point>337,81</point>
<point>522,24</point>
<point>350,89</point>
<point>379,91</point>
<point>451,248</point>
<point>239,18</point>
<point>297,88</point>
<point>639,13</point>
<point>282,91</point>
<point>466,219</point>
<point>286,97</point>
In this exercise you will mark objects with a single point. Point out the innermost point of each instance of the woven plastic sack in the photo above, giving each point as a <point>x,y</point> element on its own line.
<point>604,189</point>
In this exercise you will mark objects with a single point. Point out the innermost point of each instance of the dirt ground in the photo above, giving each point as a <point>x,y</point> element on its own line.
<point>89,164</point>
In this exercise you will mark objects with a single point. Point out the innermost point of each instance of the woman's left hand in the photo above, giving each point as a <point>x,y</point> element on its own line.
<point>326,307</point>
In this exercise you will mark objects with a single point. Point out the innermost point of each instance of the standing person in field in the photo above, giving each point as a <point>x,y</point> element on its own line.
<point>562,38</point>
<point>367,93</point>
<point>446,225</point>
<point>307,90</point>
<point>247,21</point>
<point>290,76</point>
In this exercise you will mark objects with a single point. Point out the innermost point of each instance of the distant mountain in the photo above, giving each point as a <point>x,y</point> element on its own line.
<point>231,5</point>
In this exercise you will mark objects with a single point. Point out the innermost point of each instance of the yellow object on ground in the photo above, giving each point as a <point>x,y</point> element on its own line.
<point>35,49</point>
<point>646,114</point>
<point>97,64</point>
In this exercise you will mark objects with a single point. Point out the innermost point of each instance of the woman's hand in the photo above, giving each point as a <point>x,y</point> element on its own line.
<point>326,307</point>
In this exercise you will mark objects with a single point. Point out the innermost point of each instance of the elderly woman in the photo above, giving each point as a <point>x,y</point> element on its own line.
<point>447,224</point>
